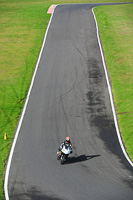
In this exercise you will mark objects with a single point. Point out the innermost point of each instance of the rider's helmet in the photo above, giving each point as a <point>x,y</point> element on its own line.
<point>67,139</point>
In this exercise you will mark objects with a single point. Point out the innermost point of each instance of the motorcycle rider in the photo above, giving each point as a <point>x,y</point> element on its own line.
<point>65,142</point>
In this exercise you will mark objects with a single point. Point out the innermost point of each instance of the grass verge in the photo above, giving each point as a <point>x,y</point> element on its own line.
<point>23,24</point>
<point>116,30</point>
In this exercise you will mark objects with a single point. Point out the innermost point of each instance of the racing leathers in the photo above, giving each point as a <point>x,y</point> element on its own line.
<point>64,143</point>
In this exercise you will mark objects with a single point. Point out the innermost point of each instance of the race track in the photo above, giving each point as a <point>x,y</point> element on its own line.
<point>70,98</point>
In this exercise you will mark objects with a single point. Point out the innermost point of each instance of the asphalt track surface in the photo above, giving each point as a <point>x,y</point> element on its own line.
<point>70,98</point>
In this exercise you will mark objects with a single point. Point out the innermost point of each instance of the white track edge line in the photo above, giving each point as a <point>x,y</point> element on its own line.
<point>23,113</point>
<point>111,96</point>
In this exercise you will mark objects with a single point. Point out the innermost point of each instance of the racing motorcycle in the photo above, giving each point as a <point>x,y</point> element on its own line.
<point>64,153</point>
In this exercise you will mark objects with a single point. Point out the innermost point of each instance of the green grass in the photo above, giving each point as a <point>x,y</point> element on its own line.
<point>22,27</point>
<point>116,32</point>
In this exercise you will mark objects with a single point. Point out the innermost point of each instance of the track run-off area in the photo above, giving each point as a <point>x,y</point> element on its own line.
<point>68,96</point>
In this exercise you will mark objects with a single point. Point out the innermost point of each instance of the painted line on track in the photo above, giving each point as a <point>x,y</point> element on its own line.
<point>23,113</point>
<point>110,95</point>
<point>51,9</point>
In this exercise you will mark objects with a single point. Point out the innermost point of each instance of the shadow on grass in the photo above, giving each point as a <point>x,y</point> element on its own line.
<point>12,103</point>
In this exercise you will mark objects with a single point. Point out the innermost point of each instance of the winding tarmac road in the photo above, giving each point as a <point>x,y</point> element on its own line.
<point>70,98</point>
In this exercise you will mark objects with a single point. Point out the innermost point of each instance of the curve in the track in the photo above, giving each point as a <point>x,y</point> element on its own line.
<point>70,97</point>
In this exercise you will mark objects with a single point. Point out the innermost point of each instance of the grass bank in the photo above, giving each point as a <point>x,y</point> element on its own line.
<point>116,32</point>
<point>22,27</point>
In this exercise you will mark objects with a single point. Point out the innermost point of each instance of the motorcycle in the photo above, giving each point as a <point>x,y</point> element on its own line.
<point>64,153</point>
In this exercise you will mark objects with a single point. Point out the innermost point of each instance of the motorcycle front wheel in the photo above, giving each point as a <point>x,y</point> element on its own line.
<point>62,160</point>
